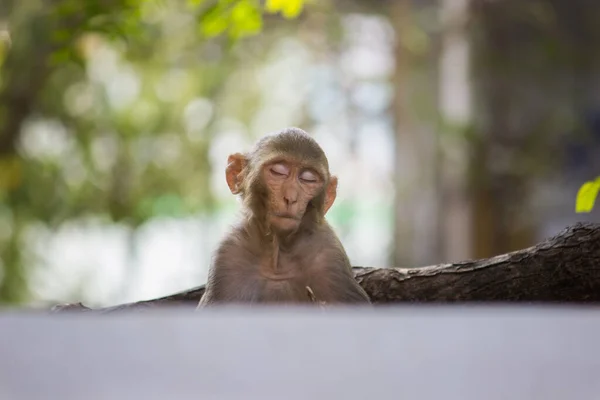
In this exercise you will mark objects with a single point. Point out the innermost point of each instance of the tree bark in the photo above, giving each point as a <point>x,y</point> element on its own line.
<point>564,268</point>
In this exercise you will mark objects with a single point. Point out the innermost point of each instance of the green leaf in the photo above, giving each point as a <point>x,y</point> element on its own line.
<point>67,7</point>
<point>215,21</point>
<point>59,57</point>
<point>274,6</point>
<point>61,36</point>
<point>292,8</point>
<point>586,196</point>
<point>288,8</point>
<point>246,19</point>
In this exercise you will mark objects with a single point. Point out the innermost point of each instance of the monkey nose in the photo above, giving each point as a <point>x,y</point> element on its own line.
<point>289,200</point>
<point>290,197</point>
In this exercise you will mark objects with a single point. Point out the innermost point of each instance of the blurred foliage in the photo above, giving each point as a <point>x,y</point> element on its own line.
<point>97,101</point>
<point>109,108</point>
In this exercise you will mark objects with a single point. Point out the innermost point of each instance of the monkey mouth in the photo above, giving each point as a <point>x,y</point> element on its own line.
<point>287,216</point>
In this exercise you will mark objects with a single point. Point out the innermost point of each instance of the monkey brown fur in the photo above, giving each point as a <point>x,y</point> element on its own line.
<point>283,250</point>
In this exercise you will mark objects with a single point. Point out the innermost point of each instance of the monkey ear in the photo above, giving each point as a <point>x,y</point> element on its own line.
<point>330,193</point>
<point>235,164</point>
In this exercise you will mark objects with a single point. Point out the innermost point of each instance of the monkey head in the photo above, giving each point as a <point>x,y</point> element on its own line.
<point>284,180</point>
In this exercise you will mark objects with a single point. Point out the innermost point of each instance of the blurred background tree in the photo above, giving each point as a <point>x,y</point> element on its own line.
<point>458,128</point>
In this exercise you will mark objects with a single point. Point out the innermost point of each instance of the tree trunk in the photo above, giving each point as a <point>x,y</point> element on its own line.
<point>417,237</point>
<point>564,268</point>
<point>455,146</point>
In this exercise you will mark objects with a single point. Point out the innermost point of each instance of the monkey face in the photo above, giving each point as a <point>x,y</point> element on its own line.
<point>284,181</point>
<point>290,187</point>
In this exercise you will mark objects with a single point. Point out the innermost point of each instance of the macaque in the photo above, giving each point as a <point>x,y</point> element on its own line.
<point>283,250</point>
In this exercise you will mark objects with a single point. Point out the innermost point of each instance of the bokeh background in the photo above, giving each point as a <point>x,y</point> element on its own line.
<point>458,129</point>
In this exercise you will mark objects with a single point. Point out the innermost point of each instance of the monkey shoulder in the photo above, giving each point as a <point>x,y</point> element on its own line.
<point>326,250</point>
<point>232,275</point>
<point>235,252</point>
<point>330,274</point>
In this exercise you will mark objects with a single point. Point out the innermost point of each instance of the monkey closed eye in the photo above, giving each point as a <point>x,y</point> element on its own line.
<point>309,176</point>
<point>280,170</point>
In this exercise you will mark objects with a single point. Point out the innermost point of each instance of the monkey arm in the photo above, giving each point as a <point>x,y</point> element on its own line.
<point>332,279</point>
<point>226,284</point>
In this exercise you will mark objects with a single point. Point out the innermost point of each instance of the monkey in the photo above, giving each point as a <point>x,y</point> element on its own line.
<point>282,250</point>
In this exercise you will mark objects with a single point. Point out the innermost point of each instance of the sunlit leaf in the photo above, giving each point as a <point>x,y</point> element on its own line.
<point>246,19</point>
<point>274,6</point>
<point>215,21</point>
<point>288,8</point>
<point>586,196</point>
<point>292,8</point>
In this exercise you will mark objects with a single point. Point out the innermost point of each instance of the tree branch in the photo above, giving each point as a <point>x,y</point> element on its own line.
<point>564,268</point>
